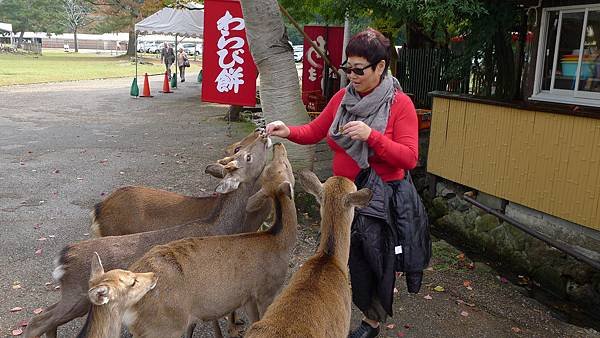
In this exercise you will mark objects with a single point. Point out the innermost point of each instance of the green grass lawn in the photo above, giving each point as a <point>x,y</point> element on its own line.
<point>54,66</point>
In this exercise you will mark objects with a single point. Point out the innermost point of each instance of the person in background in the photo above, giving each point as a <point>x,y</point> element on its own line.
<point>372,128</point>
<point>183,62</point>
<point>167,56</point>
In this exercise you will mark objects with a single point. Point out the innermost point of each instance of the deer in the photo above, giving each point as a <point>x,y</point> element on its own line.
<point>118,252</point>
<point>111,294</point>
<point>204,278</point>
<point>134,209</point>
<point>317,300</point>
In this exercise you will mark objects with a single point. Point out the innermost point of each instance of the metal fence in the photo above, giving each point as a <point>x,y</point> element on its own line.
<point>421,71</point>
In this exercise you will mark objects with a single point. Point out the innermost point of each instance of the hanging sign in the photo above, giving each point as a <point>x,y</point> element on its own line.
<point>228,70</point>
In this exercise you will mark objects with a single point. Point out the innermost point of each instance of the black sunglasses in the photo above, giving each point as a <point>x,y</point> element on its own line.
<point>356,70</point>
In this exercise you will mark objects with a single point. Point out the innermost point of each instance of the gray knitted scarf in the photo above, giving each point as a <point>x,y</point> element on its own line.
<point>373,110</point>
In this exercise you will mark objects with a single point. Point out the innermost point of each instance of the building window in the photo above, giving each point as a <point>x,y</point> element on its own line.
<point>568,67</point>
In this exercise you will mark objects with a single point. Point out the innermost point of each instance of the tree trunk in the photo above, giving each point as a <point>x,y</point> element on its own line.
<point>20,40</point>
<point>279,84</point>
<point>131,43</point>
<point>75,40</point>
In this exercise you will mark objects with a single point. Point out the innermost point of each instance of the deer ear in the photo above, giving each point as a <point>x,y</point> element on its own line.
<point>97,268</point>
<point>359,198</point>
<point>228,184</point>
<point>311,184</point>
<point>215,169</point>
<point>256,201</point>
<point>99,295</point>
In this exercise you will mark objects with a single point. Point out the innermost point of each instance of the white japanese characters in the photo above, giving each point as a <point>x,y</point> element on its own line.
<point>229,51</point>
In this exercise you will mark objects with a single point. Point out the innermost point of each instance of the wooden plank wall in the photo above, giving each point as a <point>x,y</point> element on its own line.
<point>545,161</point>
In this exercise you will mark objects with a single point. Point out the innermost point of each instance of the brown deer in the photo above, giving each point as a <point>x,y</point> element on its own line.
<point>317,300</point>
<point>118,252</point>
<point>206,278</point>
<point>133,209</point>
<point>111,294</point>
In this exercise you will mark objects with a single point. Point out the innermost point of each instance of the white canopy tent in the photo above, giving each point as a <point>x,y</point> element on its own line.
<point>186,21</point>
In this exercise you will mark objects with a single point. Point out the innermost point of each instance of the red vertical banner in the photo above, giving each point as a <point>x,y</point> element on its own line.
<point>228,70</point>
<point>313,68</point>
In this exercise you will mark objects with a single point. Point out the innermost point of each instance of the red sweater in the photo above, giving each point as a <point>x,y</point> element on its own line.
<point>394,150</point>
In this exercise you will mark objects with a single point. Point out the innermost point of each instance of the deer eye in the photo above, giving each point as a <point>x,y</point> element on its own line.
<point>248,158</point>
<point>134,282</point>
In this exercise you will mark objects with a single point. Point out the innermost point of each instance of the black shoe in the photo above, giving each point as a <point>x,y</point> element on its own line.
<point>364,331</point>
<point>182,80</point>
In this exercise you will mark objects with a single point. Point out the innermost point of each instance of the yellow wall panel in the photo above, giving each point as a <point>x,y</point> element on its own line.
<point>545,161</point>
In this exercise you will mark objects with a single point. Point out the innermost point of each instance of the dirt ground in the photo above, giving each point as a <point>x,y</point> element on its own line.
<point>64,146</point>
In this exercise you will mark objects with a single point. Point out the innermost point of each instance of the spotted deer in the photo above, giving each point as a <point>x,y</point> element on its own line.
<point>134,209</point>
<point>317,300</point>
<point>206,278</point>
<point>111,294</point>
<point>118,252</point>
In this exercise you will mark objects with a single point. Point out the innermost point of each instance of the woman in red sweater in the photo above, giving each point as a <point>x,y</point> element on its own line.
<point>369,124</point>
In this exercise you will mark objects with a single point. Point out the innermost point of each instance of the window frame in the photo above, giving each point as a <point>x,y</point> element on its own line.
<point>575,96</point>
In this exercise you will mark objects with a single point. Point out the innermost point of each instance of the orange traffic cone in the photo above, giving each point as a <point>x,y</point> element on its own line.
<point>146,92</point>
<point>166,87</point>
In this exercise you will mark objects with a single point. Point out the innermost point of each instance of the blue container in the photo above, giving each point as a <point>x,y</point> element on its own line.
<point>569,68</point>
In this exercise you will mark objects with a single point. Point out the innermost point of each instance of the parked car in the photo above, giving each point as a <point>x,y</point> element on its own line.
<point>192,48</point>
<point>140,47</point>
<point>298,52</point>
<point>154,47</point>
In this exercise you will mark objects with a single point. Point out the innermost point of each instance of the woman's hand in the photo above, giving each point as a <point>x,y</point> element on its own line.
<point>357,130</point>
<point>278,128</point>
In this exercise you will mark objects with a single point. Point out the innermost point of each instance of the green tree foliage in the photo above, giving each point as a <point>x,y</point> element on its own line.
<point>32,15</point>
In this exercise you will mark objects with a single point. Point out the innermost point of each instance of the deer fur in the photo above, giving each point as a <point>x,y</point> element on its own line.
<point>134,209</point>
<point>118,252</point>
<point>317,300</point>
<point>111,294</point>
<point>207,278</point>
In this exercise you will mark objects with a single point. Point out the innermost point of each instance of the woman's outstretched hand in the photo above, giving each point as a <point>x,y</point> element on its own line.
<point>356,130</point>
<point>278,128</point>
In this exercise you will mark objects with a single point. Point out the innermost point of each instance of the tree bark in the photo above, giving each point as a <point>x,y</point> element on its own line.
<point>279,84</point>
<point>131,43</point>
<point>20,40</point>
<point>75,40</point>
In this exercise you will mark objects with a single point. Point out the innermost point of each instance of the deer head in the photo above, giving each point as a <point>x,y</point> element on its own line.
<point>118,287</point>
<point>244,166</point>
<point>276,178</point>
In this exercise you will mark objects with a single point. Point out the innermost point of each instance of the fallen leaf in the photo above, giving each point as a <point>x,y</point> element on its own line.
<point>515,329</point>
<point>395,290</point>
<point>42,239</point>
<point>103,161</point>
<point>428,297</point>
<point>17,332</point>
<point>16,309</point>
<point>460,301</point>
<point>37,226</point>
<point>86,234</point>
<point>467,283</point>
<point>38,310</point>
<point>461,257</point>
<point>16,286</point>
<point>57,287</point>
<point>503,280</point>
<point>38,252</point>
<point>407,326</point>
<point>400,334</point>
<point>470,288</point>
<point>471,266</point>
<point>48,283</point>
<point>390,326</point>
<point>464,314</point>
<point>80,178</point>
<point>439,288</point>
<point>51,236</point>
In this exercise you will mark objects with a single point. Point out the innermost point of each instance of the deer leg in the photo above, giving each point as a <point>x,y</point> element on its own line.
<point>54,316</point>
<point>190,330</point>
<point>236,325</point>
<point>252,311</point>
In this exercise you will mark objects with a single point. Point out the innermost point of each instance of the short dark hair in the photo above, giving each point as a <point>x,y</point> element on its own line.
<point>372,45</point>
